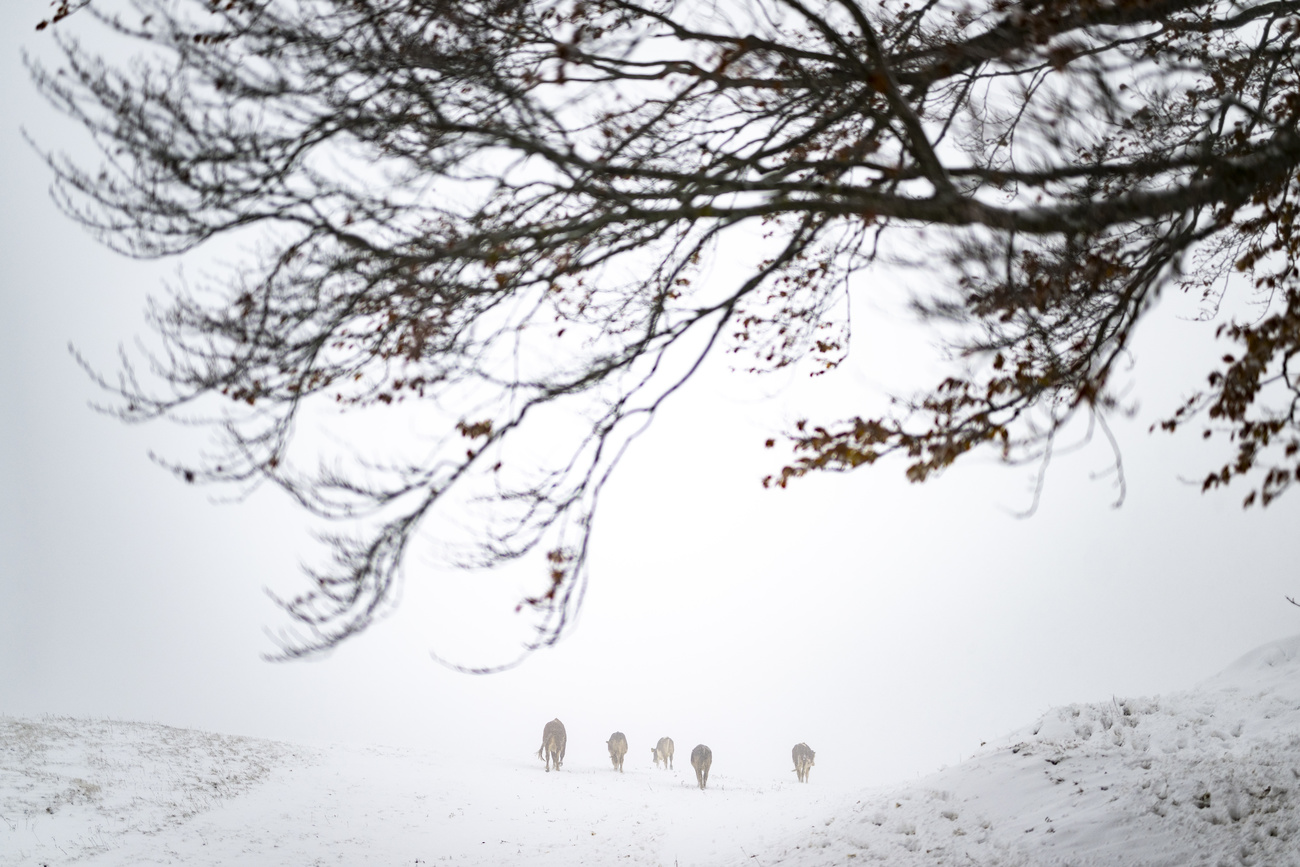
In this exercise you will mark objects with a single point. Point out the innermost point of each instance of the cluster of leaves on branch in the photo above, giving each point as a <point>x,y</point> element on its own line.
<point>62,9</point>
<point>495,212</point>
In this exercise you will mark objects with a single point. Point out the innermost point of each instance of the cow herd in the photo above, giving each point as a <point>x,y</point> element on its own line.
<point>554,739</point>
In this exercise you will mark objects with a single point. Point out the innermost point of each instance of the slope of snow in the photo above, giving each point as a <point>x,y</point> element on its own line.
<point>1207,776</point>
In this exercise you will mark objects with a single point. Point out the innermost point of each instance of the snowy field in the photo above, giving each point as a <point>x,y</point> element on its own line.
<point>1207,776</point>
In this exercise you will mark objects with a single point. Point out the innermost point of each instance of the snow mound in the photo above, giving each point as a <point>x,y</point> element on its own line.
<point>71,788</point>
<point>1207,776</point>
<point>1274,667</point>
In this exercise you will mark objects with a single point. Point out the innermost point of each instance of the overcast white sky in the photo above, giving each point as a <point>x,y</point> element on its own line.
<point>892,627</point>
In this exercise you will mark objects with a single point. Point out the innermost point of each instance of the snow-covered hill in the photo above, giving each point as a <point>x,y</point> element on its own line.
<point>1207,776</point>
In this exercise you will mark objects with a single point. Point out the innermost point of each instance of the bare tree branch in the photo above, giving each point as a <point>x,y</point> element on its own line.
<point>486,222</point>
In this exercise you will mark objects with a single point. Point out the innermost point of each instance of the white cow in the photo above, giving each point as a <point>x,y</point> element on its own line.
<point>803,761</point>
<point>554,739</point>
<point>701,759</point>
<point>617,744</point>
<point>663,752</point>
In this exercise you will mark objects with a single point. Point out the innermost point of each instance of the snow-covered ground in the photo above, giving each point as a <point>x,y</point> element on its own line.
<point>1207,776</point>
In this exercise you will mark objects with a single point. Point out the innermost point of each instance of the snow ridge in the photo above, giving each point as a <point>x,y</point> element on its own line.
<point>74,788</point>
<point>1206,776</point>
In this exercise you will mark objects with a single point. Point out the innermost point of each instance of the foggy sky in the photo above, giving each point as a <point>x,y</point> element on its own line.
<point>893,627</point>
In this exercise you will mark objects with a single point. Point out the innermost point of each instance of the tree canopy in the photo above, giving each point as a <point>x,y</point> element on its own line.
<point>489,223</point>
